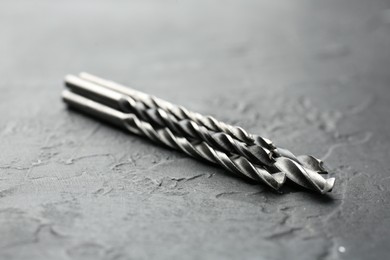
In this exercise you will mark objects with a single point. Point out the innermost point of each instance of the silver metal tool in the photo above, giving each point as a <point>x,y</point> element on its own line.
<point>197,149</point>
<point>304,170</point>
<point>209,122</point>
<point>186,128</point>
<point>158,117</point>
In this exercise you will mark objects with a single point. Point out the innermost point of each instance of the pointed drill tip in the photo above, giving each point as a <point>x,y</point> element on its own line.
<point>329,184</point>
<point>280,178</point>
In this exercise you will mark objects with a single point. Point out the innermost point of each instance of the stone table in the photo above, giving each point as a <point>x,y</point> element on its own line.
<point>313,76</point>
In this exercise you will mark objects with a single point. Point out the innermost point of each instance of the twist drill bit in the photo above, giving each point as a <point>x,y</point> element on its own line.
<point>197,149</point>
<point>303,170</point>
<point>222,141</point>
<point>158,117</point>
<point>207,121</point>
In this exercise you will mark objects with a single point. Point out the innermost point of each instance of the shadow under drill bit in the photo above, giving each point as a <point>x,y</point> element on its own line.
<point>285,190</point>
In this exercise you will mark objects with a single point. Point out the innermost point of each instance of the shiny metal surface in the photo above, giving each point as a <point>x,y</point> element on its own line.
<point>197,149</point>
<point>303,170</point>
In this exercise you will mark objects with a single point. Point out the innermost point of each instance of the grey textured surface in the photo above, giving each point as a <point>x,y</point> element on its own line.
<point>313,76</point>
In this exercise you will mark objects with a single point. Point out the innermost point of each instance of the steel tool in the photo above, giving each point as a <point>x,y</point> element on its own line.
<point>303,170</point>
<point>198,149</point>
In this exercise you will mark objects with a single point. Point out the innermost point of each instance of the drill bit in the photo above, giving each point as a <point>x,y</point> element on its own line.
<point>158,117</point>
<point>197,149</point>
<point>303,170</point>
<point>209,122</point>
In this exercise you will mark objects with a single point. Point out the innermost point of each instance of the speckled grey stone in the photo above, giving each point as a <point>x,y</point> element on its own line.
<point>313,76</point>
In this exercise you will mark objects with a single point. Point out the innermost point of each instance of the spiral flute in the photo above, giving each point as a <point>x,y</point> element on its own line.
<point>207,121</point>
<point>303,170</point>
<point>158,117</point>
<point>197,149</point>
<point>222,141</point>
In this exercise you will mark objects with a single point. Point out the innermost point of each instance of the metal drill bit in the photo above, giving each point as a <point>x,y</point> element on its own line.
<point>302,170</point>
<point>197,149</point>
<point>207,121</point>
<point>156,116</point>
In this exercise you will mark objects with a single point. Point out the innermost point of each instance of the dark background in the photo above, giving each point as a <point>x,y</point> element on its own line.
<point>313,76</point>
